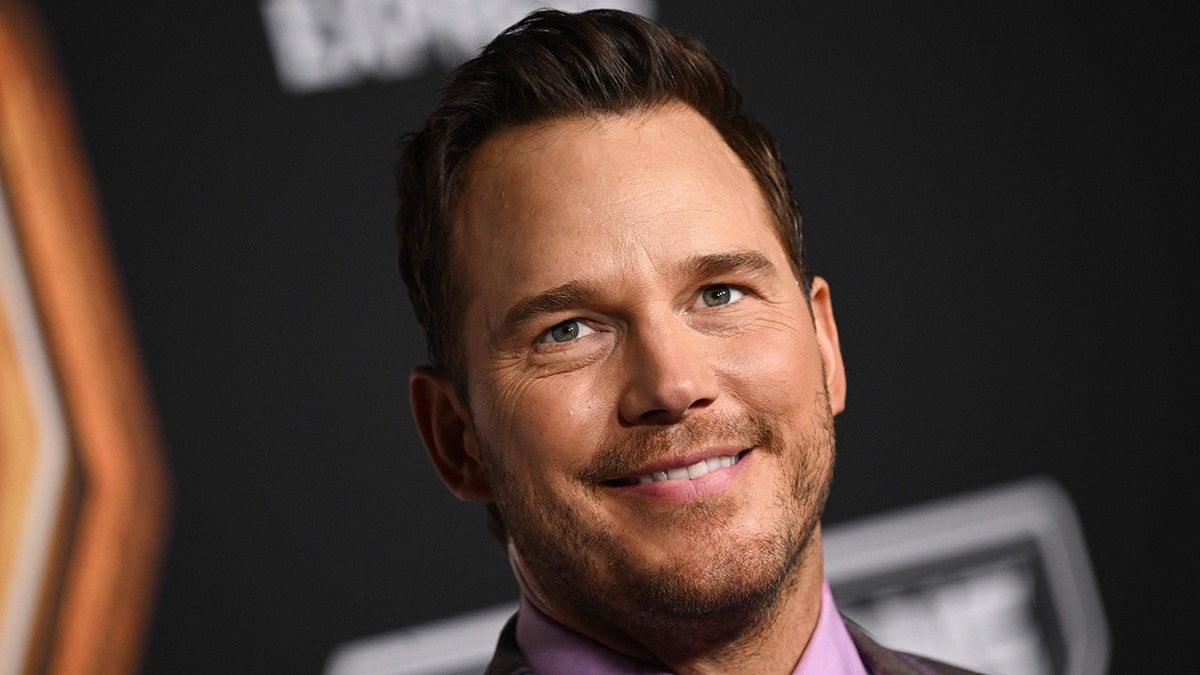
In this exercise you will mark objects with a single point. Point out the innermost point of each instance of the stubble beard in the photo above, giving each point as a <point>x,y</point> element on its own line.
<point>703,603</point>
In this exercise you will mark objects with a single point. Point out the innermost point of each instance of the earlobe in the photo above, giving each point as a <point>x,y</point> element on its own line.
<point>449,437</point>
<point>827,337</point>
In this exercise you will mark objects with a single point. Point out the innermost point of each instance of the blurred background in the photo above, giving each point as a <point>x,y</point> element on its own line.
<point>1001,194</point>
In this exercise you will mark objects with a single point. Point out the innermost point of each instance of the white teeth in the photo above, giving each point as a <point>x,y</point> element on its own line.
<point>692,472</point>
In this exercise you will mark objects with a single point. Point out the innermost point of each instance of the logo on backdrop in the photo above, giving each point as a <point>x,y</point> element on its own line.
<point>329,44</point>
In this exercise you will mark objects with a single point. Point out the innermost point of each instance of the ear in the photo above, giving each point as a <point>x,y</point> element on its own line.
<point>445,427</point>
<point>827,339</point>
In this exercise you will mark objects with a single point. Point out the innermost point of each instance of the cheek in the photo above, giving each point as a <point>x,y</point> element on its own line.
<point>547,424</point>
<point>775,367</point>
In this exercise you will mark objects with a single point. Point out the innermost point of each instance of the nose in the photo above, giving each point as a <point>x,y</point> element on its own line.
<point>669,374</point>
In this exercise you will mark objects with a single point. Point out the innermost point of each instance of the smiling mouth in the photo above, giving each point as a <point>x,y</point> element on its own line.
<point>691,472</point>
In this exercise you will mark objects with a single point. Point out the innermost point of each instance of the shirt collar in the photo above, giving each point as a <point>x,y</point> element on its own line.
<point>551,647</point>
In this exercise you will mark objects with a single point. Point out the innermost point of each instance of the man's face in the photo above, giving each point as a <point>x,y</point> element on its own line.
<point>649,399</point>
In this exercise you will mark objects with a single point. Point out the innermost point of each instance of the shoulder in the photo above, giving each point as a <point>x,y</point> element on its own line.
<point>883,661</point>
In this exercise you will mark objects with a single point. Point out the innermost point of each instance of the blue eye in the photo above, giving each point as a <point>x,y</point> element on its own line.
<point>720,294</point>
<point>566,331</point>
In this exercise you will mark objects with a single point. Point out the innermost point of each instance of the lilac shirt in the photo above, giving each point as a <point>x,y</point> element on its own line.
<point>550,647</point>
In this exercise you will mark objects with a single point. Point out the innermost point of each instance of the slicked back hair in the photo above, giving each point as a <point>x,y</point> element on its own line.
<point>553,65</point>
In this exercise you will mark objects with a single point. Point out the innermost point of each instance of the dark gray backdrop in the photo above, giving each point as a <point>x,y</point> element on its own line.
<point>1000,193</point>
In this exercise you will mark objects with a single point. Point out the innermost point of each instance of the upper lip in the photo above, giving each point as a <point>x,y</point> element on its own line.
<point>682,461</point>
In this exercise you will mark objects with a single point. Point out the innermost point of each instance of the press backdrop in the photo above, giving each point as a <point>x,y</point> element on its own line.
<point>1001,194</point>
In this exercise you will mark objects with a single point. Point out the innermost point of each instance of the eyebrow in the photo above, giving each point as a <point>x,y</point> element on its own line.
<point>556,298</point>
<point>573,293</point>
<point>717,264</point>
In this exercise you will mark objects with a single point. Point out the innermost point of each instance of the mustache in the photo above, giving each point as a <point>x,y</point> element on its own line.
<point>640,446</point>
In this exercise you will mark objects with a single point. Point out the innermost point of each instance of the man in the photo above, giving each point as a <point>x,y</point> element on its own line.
<point>630,363</point>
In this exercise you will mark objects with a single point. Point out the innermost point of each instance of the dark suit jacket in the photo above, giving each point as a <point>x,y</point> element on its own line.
<point>879,660</point>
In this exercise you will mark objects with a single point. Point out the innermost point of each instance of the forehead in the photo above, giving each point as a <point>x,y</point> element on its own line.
<point>564,166</point>
<point>542,202</point>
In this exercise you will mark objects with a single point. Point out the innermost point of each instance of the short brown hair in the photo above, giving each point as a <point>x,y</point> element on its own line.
<point>551,65</point>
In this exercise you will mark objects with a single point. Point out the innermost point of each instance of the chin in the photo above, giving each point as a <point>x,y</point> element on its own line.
<point>728,575</point>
